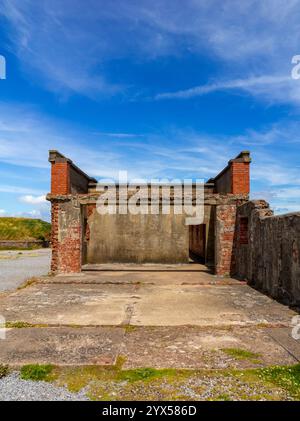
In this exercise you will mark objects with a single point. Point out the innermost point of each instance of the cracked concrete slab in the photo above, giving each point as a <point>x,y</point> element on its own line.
<point>177,322</point>
<point>143,305</point>
<point>206,306</point>
<point>61,346</point>
<point>68,305</point>
<point>202,348</point>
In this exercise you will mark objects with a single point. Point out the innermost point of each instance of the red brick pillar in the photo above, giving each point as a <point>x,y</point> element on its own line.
<point>66,235</point>
<point>225,239</point>
<point>60,178</point>
<point>240,177</point>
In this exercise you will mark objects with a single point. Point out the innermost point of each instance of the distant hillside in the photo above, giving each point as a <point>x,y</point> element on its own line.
<point>24,229</point>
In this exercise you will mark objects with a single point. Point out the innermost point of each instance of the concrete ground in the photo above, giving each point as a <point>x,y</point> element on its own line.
<point>18,266</point>
<point>175,316</point>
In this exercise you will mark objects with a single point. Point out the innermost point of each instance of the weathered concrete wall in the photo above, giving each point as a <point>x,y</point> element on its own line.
<point>137,238</point>
<point>268,255</point>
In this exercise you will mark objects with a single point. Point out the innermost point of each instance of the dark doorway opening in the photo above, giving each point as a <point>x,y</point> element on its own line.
<point>197,242</point>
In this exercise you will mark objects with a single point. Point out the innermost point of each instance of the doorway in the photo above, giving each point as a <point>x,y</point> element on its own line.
<point>197,242</point>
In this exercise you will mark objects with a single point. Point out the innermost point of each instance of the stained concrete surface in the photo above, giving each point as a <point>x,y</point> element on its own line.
<point>143,305</point>
<point>61,346</point>
<point>149,317</point>
<point>17,266</point>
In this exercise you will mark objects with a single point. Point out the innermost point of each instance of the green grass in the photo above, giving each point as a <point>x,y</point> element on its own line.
<point>241,354</point>
<point>36,372</point>
<point>144,374</point>
<point>4,370</point>
<point>20,229</point>
<point>115,383</point>
<point>287,378</point>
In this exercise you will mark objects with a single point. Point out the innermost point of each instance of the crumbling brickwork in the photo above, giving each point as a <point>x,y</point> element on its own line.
<point>226,239</point>
<point>66,236</point>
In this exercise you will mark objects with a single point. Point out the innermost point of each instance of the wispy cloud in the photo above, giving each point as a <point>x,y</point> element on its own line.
<point>67,46</point>
<point>119,135</point>
<point>267,86</point>
<point>26,135</point>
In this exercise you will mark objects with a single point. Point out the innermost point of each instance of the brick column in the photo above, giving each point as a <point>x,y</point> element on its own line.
<point>240,177</point>
<point>225,239</point>
<point>66,235</point>
<point>60,178</point>
<point>235,177</point>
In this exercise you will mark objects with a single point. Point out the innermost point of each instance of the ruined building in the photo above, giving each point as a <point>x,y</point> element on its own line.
<point>237,237</point>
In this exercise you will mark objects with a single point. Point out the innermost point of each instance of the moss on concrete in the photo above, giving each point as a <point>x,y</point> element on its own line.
<point>37,372</point>
<point>114,383</point>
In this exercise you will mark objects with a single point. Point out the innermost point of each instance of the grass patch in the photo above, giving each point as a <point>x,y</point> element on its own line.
<point>113,383</point>
<point>37,372</point>
<point>129,328</point>
<point>241,354</point>
<point>12,248</point>
<point>287,378</point>
<point>17,325</point>
<point>121,360</point>
<point>24,229</point>
<point>4,370</point>
<point>27,283</point>
<point>144,374</point>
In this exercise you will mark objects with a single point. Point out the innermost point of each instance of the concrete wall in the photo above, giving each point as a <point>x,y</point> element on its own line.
<point>137,238</point>
<point>268,255</point>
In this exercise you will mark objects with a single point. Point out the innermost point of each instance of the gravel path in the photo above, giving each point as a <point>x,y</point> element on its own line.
<point>13,388</point>
<point>18,266</point>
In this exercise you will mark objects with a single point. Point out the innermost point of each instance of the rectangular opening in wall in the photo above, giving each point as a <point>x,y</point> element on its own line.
<point>243,230</point>
<point>197,235</point>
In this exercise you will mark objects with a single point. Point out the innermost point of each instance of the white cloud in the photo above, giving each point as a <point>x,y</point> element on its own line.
<point>2,212</point>
<point>26,136</point>
<point>271,88</point>
<point>33,200</point>
<point>68,45</point>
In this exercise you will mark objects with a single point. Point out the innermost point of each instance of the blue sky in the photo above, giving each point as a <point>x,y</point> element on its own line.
<point>161,88</point>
